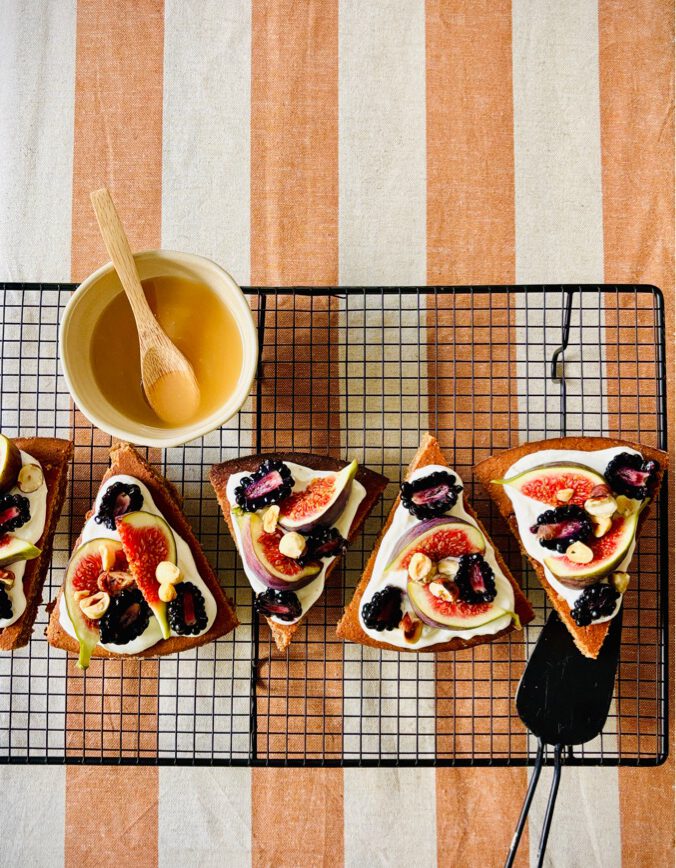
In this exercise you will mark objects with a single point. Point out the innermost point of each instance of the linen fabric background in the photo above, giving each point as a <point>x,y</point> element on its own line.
<point>340,142</point>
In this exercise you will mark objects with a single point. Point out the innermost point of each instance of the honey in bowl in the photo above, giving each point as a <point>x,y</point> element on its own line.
<point>195,319</point>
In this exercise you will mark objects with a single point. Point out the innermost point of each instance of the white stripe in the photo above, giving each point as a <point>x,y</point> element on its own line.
<point>37,94</point>
<point>206,137</point>
<point>33,815</point>
<point>557,146</point>
<point>389,703</point>
<point>204,817</point>
<point>390,817</point>
<point>559,238</point>
<point>382,148</point>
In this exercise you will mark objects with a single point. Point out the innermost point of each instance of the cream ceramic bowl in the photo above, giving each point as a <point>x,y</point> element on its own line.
<point>85,307</point>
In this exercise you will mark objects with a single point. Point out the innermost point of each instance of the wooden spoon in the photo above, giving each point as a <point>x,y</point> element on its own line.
<point>168,378</point>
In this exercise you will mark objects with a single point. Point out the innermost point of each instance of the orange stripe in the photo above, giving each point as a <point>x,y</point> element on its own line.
<point>470,154</point>
<point>118,123</point>
<point>297,815</point>
<point>118,142</point>
<point>637,134</point>
<point>470,239</point>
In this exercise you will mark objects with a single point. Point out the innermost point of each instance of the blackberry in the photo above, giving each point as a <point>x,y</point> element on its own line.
<point>271,483</point>
<point>323,542</point>
<point>126,618</point>
<point>118,499</point>
<point>284,605</point>
<point>187,613</point>
<point>475,580</point>
<point>383,611</point>
<point>5,604</point>
<point>14,512</point>
<point>628,474</point>
<point>430,495</point>
<point>557,528</point>
<point>595,602</point>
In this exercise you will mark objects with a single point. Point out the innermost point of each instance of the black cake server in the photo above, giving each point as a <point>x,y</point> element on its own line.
<point>563,699</point>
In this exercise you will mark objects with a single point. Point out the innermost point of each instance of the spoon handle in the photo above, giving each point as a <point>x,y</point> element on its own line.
<point>117,245</point>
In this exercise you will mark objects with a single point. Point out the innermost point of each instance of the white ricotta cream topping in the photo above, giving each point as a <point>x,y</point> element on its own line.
<point>31,532</point>
<point>302,476</point>
<point>527,510</point>
<point>186,563</point>
<point>401,523</point>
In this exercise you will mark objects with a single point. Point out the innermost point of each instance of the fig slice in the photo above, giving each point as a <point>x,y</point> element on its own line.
<point>148,540</point>
<point>82,574</point>
<point>13,549</point>
<point>10,463</point>
<point>438,538</point>
<point>264,559</point>
<point>544,482</point>
<point>320,502</point>
<point>450,615</point>
<point>608,551</point>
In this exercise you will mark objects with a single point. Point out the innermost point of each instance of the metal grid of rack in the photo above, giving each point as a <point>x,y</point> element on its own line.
<point>359,372</point>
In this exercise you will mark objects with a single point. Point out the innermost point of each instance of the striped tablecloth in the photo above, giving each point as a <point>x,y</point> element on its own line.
<point>353,142</point>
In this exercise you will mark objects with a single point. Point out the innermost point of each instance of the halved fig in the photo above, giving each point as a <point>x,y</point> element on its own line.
<point>628,474</point>
<point>263,557</point>
<point>13,549</point>
<point>147,541</point>
<point>431,495</point>
<point>10,463</point>
<point>448,615</point>
<point>543,483</point>
<point>438,538</point>
<point>320,502</point>
<point>557,528</point>
<point>82,574</point>
<point>608,551</point>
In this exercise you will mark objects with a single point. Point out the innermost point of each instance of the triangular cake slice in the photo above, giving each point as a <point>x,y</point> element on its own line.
<point>292,515</point>
<point>576,505</point>
<point>435,581</point>
<point>33,481</point>
<point>138,583</point>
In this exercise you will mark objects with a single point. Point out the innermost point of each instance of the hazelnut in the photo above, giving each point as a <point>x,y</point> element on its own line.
<point>412,628</point>
<point>167,592</point>
<point>447,591</point>
<point>108,550</point>
<point>270,518</point>
<point>167,573</point>
<point>96,606</point>
<point>7,579</point>
<point>600,501</point>
<point>627,506</point>
<point>292,545</point>
<point>30,478</point>
<point>420,568</point>
<point>448,567</point>
<point>620,581</point>
<point>579,553</point>
<point>601,524</point>
<point>564,494</point>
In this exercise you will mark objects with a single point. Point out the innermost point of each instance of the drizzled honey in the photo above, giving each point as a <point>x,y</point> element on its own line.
<point>195,319</point>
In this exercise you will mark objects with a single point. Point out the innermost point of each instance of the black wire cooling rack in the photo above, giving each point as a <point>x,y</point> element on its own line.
<point>357,372</point>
